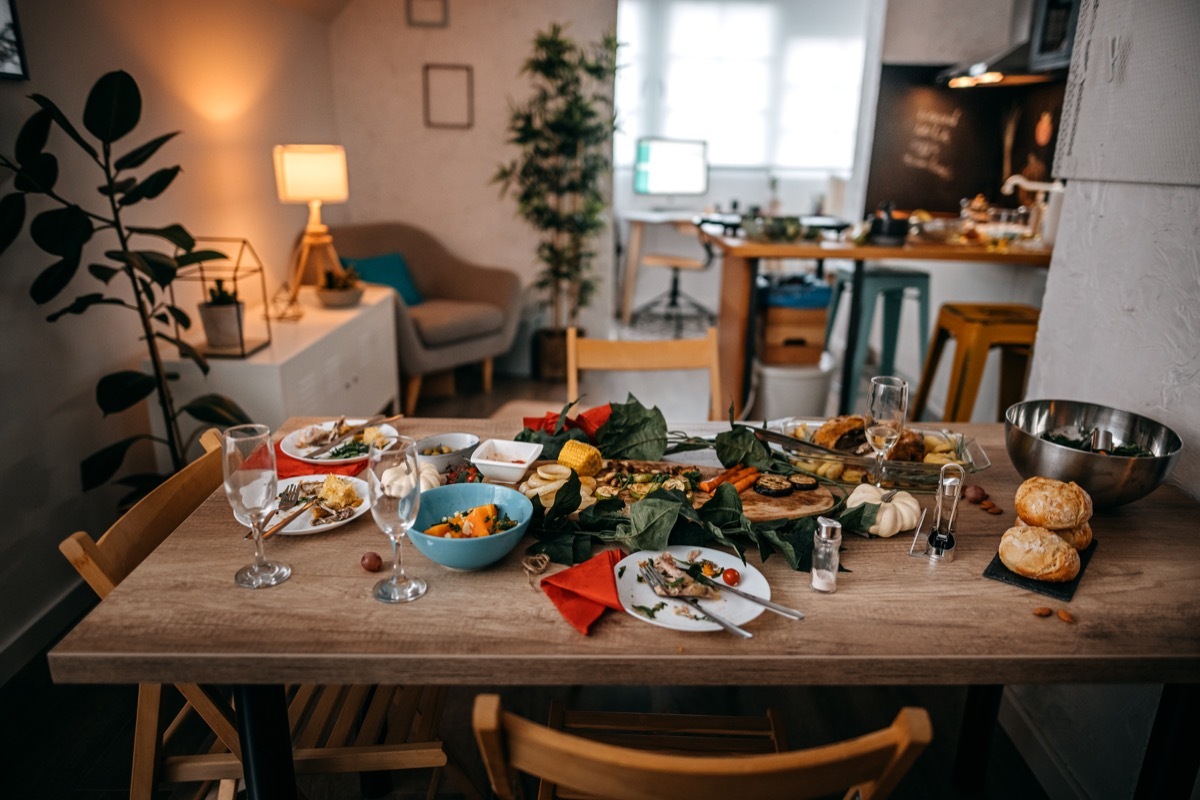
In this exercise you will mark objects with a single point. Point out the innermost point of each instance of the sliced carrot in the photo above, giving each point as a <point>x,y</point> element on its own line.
<point>440,529</point>
<point>728,476</point>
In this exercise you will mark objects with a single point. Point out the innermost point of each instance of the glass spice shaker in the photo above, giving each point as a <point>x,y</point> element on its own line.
<point>826,544</point>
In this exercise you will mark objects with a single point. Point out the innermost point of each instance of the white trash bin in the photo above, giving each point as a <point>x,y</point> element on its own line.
<point>793,391</point>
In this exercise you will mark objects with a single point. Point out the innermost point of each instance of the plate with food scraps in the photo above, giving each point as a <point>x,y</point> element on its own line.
<point>639,600</point>
<point>338,501</point>
<point>298,444</point>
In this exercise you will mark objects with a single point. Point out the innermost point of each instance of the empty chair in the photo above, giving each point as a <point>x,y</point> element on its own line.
<point>643,355</point>
<point>674,305</point>
<point>870,765</point>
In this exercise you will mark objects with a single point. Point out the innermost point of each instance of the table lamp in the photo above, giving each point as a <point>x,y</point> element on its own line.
<point>312,174</point>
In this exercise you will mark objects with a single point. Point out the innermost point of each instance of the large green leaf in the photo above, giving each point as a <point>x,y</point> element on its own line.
<point>12,218</point>
<point>180,316</point>
<point>121,390</point>
<point>739,445</point>
<point>32,138</point>
<point>50,283</point>
<point>83,303</point>
<point>196,256</point>
<point>103,464</point>
<point>37,175</point>
<point>61,120</point>
<point>140,155</point>
<point>159,267</point>
<point>61,231</point>
<point>151,187</point>
<point>217,410</point>
<point>633,431</point>
<point>119,187</point>
<point>175,234</point>
<point>113,107</point>
<point>186,350</point>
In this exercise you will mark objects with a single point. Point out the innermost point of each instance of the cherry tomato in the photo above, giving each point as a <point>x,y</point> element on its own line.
<point>731,576</point>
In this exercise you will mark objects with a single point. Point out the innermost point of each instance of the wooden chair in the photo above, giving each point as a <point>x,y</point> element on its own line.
<point>334,728</point>
<point>642,355</point>
<point>870,766</point>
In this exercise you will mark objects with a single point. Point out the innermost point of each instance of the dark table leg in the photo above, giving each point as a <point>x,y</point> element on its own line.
<point>975,736</point>
<point>1172,760</point>
<point>266,743</point>
<point>856,312</point>
<point>751,348</point>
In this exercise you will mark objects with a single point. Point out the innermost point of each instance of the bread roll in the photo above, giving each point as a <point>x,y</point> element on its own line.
<point>1079,538</point>
<point>1047,503</point>
<point>1039,554</point>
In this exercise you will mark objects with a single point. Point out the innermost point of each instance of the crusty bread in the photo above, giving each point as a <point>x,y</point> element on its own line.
<point>1047,503</point>
<point>1039,554</point>
<point>1079,538</point>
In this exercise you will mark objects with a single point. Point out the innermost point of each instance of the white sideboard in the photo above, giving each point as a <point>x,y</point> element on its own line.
<point>331,361</point>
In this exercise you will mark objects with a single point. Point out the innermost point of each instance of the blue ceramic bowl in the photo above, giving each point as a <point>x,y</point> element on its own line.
<point>477,552</point>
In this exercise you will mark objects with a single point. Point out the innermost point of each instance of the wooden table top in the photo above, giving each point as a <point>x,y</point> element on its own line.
<point>745,248</point>
<point>894,619</point>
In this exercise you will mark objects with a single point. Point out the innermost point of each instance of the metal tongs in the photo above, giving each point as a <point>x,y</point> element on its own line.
<point>793,443</point>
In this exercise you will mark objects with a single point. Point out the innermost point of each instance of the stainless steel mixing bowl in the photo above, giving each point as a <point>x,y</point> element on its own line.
<point>1110,480</point>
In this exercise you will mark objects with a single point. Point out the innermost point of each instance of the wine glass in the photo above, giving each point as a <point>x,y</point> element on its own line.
<point>395,485</point>
<point>886,407</point>
<point>251,484</point>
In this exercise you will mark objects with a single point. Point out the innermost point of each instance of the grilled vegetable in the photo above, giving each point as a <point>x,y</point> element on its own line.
<point>581,457</point>
<point>803,483</point>
<point>773,486</point>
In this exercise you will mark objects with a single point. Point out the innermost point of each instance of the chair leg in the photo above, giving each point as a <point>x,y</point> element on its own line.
<point>923,330</point>
<point>970,358</point>
<point>864,339</point>
<point>412,390</point>
<point>1014,370</point>
<point>146,744</point>
<point>934,354</point>
<point>893,300</point>
<point>488,368</point>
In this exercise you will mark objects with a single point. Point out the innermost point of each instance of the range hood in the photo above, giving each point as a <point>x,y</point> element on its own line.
<point>1043,54</point>
<point>1009,67</point>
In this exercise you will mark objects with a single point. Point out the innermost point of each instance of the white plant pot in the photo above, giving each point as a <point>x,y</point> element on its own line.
<point>222,324</point>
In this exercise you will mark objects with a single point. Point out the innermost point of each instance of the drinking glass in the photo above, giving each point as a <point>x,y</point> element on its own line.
<point>886,406</point>
<point>251,485</point>
<point>395,485</point>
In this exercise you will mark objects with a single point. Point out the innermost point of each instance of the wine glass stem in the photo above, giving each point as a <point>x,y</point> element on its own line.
<point>878,468</point>
<point>260,552</point>
<point>398,576</point>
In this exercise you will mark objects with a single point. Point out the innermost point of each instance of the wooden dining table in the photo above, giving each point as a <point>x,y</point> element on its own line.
<point>895,619</point>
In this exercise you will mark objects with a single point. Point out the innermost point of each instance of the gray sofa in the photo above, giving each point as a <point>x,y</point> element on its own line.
<point>469,311</point>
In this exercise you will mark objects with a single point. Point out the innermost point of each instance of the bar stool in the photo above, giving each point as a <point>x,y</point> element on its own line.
<point>977,328</point>
<point>891,282</point>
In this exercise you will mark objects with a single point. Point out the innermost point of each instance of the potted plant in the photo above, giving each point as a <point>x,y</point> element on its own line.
<point>221,316</point>
<point>564,132</point>
<point>341,289</point>
<point>135,277</point>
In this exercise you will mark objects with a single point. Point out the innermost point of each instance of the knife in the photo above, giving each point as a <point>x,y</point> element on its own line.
<point>283,523</point>
<point>782,611</point>
<point>325,448</point>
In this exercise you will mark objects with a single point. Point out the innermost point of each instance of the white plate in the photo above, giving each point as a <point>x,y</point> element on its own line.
<point>289,446</point>
<point>737,610</point>
<point>303,525</point>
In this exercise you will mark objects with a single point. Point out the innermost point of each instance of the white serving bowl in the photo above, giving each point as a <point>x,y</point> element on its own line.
<point>505,461</point>
<point>461,445</point>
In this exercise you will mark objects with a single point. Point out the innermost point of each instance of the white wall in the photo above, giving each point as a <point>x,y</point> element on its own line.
<point>236,78</point>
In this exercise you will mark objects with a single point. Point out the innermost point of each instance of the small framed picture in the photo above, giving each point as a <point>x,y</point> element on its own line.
<point>428,13</point>
<point>449,96</point>
<point>12,51</point>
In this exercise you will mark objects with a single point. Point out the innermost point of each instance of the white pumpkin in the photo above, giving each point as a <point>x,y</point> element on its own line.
<point>430,477</point>
<point>899,513</point>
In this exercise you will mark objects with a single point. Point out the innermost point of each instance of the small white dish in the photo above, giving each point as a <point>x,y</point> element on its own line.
<point>461,445</point>
<point>505,461</point>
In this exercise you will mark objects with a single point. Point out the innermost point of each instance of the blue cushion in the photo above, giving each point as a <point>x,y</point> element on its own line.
<point>391,270</point>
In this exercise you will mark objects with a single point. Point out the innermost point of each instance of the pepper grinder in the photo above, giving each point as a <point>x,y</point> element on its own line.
<point>826,544</point>
<point>940,545</point>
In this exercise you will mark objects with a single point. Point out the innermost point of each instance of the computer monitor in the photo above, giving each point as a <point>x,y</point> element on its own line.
<point>670,167</point>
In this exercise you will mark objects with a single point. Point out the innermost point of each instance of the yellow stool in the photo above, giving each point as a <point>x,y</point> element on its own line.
<point>977,328</point>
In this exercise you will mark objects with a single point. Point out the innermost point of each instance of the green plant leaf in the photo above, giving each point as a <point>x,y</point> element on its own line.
<point>180,316</point>
<point>32,138</point>
<point>186,351</point>
<point>119,187</point>
<point>12,218</point>
<point>216,409</point>
<point>739,445</point>
<point>83,303</point>
<point>50,283</point>
<point>103,272</point>
<point>159,267</point>
<point>151,187</point>
<point>195,257</point>
<point>633,431</point>
<point>104,463</point>
<point>175,234</point>
<point>113,107</point>
<point>121,390</point>
<point>61,231</point>
<point>140,155</point>
<point>37,175</point>
<point>61,120</point>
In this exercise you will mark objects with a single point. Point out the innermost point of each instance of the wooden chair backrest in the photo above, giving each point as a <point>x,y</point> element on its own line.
<point>108,561</point>
<point>870,765</point>
<point>641,355</point>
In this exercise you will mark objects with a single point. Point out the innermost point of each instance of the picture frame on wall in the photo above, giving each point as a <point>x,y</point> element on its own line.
<point>449,95</point>
<point>13,65</point>
<point>428,13</point>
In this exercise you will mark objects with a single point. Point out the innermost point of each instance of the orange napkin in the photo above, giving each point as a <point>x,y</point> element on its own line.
<point>583,591</point>
<point>288,467</point>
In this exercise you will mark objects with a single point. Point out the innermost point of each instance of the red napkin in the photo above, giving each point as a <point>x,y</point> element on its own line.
<point>583,591</point>
<point>288,467</point>
<point>589,421</point>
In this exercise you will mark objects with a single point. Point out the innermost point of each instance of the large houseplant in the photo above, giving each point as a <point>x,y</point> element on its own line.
<point>136,276</point>
<point>564,133</point>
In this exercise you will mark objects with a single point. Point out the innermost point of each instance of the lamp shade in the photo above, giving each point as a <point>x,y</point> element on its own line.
<point>307,172</point>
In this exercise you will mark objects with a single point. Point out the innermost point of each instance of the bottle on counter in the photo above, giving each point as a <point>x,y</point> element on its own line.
<point>826,544</point>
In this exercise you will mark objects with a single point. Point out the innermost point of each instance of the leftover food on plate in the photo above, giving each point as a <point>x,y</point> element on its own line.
<point>677,582</point>
<point>481,520</point>
<point>337,500</point>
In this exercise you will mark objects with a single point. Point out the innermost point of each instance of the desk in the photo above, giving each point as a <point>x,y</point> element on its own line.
<point>736,318</point>
<point>638,220</point>
<point>894,619</point>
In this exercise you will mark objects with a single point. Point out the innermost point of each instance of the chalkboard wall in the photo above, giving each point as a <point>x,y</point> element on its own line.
<point>934,146</point>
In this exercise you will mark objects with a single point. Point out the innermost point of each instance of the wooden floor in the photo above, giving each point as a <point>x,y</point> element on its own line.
<point>73,742</point>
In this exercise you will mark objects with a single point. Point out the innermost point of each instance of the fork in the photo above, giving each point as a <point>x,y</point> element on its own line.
<point>288,498</point>
<point>651,576</point>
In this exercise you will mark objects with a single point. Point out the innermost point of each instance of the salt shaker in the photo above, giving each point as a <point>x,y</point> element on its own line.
<point>826,544</point>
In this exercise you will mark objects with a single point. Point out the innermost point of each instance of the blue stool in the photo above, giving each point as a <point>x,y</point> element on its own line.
<point>891,283</point>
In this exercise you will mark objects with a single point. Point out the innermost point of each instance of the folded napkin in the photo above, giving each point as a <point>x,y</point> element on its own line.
<point>589,421</point>
<point>583,591</point>
<point>288,467</point>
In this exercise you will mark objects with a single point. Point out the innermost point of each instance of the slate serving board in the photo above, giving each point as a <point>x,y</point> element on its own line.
<point>1059,591</point>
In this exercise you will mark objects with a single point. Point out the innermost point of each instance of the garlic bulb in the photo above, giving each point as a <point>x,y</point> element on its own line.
<point>900,513</point>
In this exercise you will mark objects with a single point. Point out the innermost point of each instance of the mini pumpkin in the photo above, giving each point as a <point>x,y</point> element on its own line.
<point>901,512</point>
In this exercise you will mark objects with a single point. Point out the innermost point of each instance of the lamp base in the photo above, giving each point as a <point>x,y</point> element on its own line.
<point>314,256</point>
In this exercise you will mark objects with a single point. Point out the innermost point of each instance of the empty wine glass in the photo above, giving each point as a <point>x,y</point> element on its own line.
<point>251,486</point>
<point>886,407</point>
<point>395,485</point>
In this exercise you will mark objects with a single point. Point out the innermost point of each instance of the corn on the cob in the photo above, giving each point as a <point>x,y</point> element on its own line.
<point>581,457</point>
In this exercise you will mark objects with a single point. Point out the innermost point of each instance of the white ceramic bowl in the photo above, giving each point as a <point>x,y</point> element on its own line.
<point>461,445</point>
<point>505,461</point>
